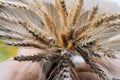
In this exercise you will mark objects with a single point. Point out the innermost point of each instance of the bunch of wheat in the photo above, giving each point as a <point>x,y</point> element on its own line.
<point>60,31</point>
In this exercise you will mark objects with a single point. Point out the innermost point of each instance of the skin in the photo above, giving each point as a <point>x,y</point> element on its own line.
<point>15,70</point>
<point>32,71</point>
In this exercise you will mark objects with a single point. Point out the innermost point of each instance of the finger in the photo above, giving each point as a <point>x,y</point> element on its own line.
<point>88,76</point>
<point>83,67</point>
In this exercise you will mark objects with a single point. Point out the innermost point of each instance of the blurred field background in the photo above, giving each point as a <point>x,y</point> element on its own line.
<point>116,1</point>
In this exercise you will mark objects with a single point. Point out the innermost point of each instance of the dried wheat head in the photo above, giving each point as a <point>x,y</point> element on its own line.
<point>60,31</point>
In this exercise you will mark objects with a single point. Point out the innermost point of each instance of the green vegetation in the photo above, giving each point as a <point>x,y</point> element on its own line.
<point>6,52</point>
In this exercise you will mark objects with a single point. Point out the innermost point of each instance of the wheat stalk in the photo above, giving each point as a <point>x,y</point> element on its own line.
<point>60,36</point>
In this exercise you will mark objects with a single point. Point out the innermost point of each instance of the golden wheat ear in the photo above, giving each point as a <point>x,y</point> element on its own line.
<point>75,13</point>
<point>97,24</point>
<point>26,31</point>
<point>28,24</point>
<point>8,33</point>
<point>52,11</point>
<point>60,36</point>
<point>93,13</point>
<point>62,13</point>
